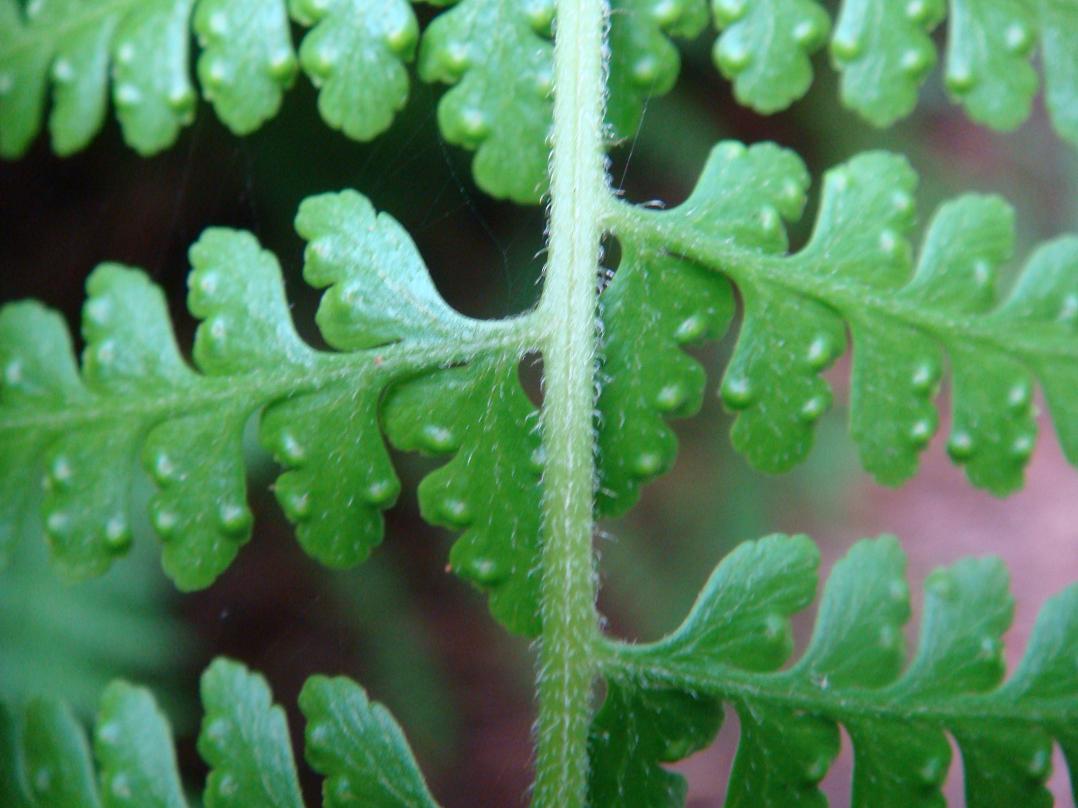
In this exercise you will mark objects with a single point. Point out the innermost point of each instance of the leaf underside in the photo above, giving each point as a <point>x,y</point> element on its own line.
<point>136,401</point>
<point>353,742</point>
<point>665,700</point>
<point>408,363</point>
<point>246,62</point>
<point>497,57</point>
<point>858,270</point>
<point>885,52</point>
<point>497,54</point>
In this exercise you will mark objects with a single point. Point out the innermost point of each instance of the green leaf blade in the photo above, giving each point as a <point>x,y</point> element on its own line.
<point>57,758</point>
<point>1045,300</point>
<point>502,69</point>
<point>654,306</point>
<point>247,61</point>
<point>746,193</point>
<point>765,48</point>
<point>80,81</point>
<point>24,67</point>
<point>357,60</point>
<point>152,91</point>
<point>988,67</point>
<point>378,289</point>
<point>885,52</point>
<point>644,61</point>
<point>781,759</point>
<point>133,746</point>
<point>772,381</point>
<point>851,674</point>
<point>236,289</point>
<point>1058,22</point>
<point>38,369</point>
<point>632,732</point>
<point>857,640</point>
<point>245,740</point>
<point>858,269</point>
<point>137,399</point>
<point>490,489</point>
<point>338,481</point>
<point>741,617</point>
<point>129,352</point>
<point>45,759</point>
<point>360,748</point>
<point>199,510</point>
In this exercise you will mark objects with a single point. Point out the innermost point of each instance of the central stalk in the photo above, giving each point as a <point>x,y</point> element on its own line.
<point>578,188</point>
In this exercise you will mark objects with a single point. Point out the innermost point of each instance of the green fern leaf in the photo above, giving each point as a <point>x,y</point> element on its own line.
<point>80,87</point>
<point>133,747</point>
<point>23,71</point>
<point>151,89</point>
<point>491,488</point>
<point>498,57</point>
<point>857,268</point>
<point>247,60</point>
<point>885,51</point>
<point>378,288</point>
<point>644,61</point>
<point>358,746</point>
<point>41,366</point>
<point>737,637</point>
<point>74,44</point>
<point>356,57</point>
<point>635,731</point>
<point>765,48</point>
<point>137,398</point>
<point>354,54</point>
<point>1059,21</point>
<point>245,740</point>
<point>57,758</point>
<point>988,60</point>
<point>45,759</point>
<point>654,305</point>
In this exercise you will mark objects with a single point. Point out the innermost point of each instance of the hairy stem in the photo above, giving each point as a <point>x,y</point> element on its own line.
<point>578,199</point>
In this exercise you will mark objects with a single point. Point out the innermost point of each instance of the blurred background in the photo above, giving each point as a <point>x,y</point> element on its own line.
<point>420,639</point>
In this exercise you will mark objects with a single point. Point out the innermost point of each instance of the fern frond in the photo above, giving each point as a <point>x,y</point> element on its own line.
<point>885,51</point>
<point>137,397</point>
<point>491,489</point>
<point>74,44</point>
<point>247,60</point>
<point>765,48</point>
<point>499,56</point>
<point>355,743</point>
<point>355,54</point>
<point>857,269</point>
<point>499,59</point>
<point>655,305</point>
<point>666,698</point>
<point>497,53</point>
<point>644,61</point>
